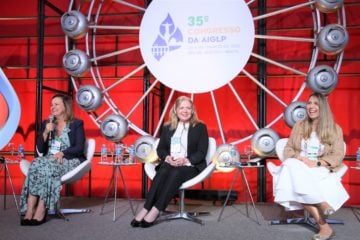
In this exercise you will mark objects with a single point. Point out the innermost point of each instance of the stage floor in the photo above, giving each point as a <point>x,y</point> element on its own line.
<point>234,223</point>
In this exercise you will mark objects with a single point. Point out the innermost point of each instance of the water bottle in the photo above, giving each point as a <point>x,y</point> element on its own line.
<point>232,155</point>
<point>21,153</point>
<point>103,157</point>
<point>118,153</point>
<point>358,158</point>
<point>131,158</point>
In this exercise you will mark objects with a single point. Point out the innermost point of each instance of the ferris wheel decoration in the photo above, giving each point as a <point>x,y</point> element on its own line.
<point>145,149</point>
<point>322,79</point>
<point>176,36</point>
<point>89,97</point>
<point>294,112</point>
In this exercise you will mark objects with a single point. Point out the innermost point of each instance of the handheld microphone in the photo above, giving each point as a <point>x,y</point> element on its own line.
<point>51,120</point>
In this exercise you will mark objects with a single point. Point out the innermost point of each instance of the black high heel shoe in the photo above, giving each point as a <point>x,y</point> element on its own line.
<point>25,222</point>
<point>145,224</point>
<point>34,222</point>
<point>134,223</point>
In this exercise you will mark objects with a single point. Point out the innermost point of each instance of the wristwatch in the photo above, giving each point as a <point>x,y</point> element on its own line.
<point>318,163</point>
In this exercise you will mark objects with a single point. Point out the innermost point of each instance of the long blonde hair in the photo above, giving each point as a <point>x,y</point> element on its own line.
<point>173,119</point>
<point>326,126</point>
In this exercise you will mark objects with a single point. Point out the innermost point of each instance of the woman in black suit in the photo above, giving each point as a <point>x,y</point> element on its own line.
<point>182,149</point>
<point>61,147</point>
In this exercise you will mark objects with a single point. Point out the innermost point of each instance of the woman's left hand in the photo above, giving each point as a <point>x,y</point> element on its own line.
<point>308,162</point>
<point>181,162</point>
<point>59,157</point>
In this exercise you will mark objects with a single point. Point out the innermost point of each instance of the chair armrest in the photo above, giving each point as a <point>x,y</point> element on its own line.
<point>150,170</point>
<point>76,173</point>
<point>200,177</point>
<point>24,166</point>
<point>341,171</point>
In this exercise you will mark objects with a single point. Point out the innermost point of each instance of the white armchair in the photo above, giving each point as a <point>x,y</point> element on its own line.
<point>181,214</point>
<point>306,219</point>
<point>73,175</point>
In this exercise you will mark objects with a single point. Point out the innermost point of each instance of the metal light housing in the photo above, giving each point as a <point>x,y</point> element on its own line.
<point>114,127</point>
<point>76,62</point>
<point>74,24</point>
<point>294,112</point>
<point>332,39</point>
<point>223,157</point>
<point>145,149</point>
<point>328,6</point>
<point>263,141</point>
<point>89,97</point>
<point>322,79</point>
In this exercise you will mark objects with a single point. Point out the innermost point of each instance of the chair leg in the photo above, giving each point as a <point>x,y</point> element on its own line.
<point>356,211</point>
<point>307,220</point>
<point>61,212</point>
<point>181,214</point>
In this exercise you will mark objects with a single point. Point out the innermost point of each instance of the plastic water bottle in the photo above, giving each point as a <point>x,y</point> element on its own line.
<point>358,158</point>
<point>118,153</point>
<point>131,158</point>
<point>232,155</point>
<point>21,153</point>
<point>103,152</point>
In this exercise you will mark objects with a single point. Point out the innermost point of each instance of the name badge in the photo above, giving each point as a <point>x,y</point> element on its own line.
<point>54,147</point>
<point>175,146</point>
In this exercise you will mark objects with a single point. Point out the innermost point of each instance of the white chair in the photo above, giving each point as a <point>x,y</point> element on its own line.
<point>181,214</point>
<point>306,219</point>
<point>74,174</point>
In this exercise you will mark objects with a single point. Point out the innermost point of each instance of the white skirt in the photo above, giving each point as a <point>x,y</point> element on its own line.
<point>294,184</point>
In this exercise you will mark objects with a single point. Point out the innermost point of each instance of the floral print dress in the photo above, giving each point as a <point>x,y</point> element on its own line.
<point>44,175</point>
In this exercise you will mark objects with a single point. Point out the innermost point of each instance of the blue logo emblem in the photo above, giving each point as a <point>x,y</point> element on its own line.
<point>169,38</point>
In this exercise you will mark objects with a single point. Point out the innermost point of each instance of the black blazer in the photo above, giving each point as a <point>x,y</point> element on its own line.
<point>77,141</point>
<point>198,142</point>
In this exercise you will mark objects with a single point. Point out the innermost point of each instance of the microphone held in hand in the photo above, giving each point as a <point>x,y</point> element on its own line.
<point>51,120</point>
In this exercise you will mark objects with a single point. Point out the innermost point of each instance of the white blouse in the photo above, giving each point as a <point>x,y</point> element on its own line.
<point>311,147</point>
<point>179,141</point>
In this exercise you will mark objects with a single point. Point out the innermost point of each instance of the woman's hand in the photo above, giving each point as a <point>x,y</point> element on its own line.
<point>170,160</point>
<point>182,162</point>
<point>50,126</point>
<point>59,157</point>
<point>176,162</point>
<point>307,162</point>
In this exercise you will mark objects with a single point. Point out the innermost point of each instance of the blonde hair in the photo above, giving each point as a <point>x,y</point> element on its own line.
<point>326,126</point>
<point>174,120</point>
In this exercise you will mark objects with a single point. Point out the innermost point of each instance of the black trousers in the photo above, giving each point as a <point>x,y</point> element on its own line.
<point>166,183</point>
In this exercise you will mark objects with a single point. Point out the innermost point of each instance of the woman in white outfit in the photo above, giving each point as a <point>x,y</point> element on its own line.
<point>314,150</point>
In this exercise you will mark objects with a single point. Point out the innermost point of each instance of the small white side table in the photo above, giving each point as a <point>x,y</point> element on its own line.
<point>241,169</point>
<point>116,169</point>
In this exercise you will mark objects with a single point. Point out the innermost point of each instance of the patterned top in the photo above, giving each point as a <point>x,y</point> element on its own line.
<point>61,142</point>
